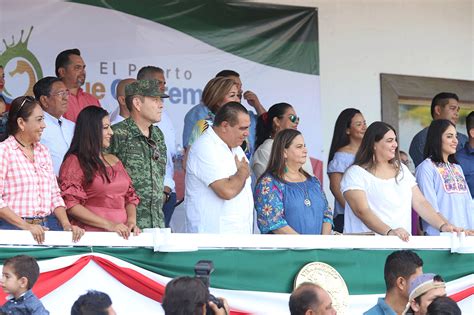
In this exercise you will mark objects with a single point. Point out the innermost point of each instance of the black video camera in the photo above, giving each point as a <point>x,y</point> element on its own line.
<point>202,271</point>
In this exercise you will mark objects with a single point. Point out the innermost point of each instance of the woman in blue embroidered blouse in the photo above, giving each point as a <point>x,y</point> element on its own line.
<point>287,199</point>
<point>441,179</point>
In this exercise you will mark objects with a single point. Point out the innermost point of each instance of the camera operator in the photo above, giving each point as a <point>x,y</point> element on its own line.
<point>189,295</point>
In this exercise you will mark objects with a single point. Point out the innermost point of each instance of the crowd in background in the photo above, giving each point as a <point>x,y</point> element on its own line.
<point>67,164</point>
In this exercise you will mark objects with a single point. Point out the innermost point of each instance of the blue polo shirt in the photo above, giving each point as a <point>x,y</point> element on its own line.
<point>381,308</point>
<point>465,157</point>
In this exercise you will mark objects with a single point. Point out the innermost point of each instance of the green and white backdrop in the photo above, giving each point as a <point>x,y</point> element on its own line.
<point>274,48</point>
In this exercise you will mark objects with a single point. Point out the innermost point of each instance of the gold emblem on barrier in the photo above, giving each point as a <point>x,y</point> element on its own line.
<point>327,278</point>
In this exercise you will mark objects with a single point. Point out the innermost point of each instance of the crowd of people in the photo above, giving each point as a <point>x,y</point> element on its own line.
<point>67,164</point>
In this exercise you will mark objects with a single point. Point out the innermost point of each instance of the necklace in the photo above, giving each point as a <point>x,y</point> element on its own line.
<point>28,152</point>
<point>24,146</point>
<point>307,201</point>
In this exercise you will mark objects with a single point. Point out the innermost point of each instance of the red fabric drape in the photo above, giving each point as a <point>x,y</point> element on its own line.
<point>51,280</point>
<point>461,295</point>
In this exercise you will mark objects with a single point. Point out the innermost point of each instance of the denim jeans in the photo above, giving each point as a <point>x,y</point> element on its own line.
<point>51,222</point>
<point>168,208</point>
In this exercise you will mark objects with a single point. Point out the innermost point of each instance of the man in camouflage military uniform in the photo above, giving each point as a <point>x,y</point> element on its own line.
<point>141,148</point>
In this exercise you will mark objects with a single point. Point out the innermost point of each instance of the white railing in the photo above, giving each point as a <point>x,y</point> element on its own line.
<point>163,240</point>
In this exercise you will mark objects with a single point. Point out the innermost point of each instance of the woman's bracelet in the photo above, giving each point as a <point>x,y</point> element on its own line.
<point>441,226</point>
<point>388,232</point>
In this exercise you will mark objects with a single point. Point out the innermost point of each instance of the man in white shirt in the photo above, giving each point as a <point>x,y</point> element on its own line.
<point>52,95</point>
<point>218,196</point>
<point>166,126</point>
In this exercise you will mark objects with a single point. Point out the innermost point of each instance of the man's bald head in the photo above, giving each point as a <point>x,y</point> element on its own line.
<point>121,86</point>
<point>120,95</point>
<point>310,299</point>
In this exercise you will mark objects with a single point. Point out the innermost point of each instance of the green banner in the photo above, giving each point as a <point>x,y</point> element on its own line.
<point>268,270</point>
<point>285,37</point>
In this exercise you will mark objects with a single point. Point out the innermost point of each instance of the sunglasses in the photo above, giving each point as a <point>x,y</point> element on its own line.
<point>294,119</point>
<point>25,99</point>
<point>156,153</point>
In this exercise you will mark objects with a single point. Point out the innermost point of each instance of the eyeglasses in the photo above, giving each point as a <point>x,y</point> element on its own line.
<point>64,93</point>
<point>26,99</point>
<point>156,153</point>
<point>294,119</point>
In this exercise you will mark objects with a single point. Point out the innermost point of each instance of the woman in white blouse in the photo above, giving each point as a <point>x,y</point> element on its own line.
<point>380,191</point>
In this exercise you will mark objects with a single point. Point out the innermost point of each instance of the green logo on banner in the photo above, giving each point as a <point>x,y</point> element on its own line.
<point>24,61</point>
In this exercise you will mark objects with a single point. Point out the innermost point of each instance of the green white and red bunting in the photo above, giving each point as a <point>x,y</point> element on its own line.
<point>135,290</point>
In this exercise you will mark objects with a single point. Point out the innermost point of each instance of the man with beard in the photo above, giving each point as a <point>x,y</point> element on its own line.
<point>71,69</point>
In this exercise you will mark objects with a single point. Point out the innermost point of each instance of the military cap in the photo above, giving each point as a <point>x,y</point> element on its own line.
<point>145,88</point>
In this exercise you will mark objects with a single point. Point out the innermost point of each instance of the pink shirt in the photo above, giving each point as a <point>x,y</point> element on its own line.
<point>28,188</point>
<point>77,102</point>
<point>106,200</point>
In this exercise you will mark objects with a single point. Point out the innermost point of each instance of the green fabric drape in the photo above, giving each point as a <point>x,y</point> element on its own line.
<point>268,270</point>
<point>284,37</point>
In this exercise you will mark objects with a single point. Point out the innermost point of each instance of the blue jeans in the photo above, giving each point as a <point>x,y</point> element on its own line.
<point>168,208</point>
<point>51,222</point>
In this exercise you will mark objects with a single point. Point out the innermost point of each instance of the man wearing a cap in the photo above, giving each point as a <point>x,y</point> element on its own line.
<point>166,126</point>
<point>423,290</point>
<point>141,148</point>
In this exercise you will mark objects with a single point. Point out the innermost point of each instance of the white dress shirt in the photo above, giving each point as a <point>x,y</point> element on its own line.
<point>209,160</point>
<point>57,138</point>
<point>166,126</point>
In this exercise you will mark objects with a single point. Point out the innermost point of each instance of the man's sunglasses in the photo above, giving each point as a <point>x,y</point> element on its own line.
<point>156,153</point>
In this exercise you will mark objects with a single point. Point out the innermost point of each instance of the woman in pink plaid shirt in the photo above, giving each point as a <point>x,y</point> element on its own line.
<point>29,194</point>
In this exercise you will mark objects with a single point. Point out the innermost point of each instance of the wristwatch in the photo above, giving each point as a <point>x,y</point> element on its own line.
<point>167,194</point>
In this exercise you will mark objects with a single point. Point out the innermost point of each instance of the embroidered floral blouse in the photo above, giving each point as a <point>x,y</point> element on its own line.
<point>445,188</point>
<point>280,204</point>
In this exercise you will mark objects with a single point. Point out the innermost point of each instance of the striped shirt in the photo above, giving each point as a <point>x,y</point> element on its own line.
<point>28,188</point>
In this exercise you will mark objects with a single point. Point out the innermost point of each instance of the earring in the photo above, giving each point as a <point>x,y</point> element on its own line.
<point>285,170</point>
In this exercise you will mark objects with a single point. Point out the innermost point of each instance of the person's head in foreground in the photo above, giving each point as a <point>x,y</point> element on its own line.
<point>310,299</point>
<point>443,305</point>
<point>185,295</point>
<point>401,267</point>
<point>19,275</point>
<point>93,303</point>
<point>189,296</point>
<point>423,290</point>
